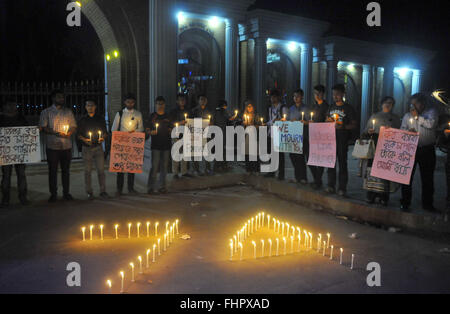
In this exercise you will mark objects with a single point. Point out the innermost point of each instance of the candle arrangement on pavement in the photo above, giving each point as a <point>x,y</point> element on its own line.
<point>289,235</point>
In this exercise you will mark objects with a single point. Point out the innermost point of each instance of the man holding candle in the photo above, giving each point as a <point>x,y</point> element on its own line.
<point>424,118</point>
<point>297,113</point>
<point>377,187</point>
<point>12,118</point>
<point>344,117</point>
<point>201,111</point>
<point>127,120</point>
<point>221,119</point>
<point>160,128</point>
<point>58,123</point>
<point>178,117</point>
<point>92,133</point>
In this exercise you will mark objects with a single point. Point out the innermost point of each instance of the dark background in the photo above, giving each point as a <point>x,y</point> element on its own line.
<point>36,43</point>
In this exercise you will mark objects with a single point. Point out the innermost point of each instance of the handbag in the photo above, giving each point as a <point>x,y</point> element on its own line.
<point>364,149</point>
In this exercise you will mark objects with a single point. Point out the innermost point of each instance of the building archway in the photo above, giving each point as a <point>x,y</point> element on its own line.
<point>282,74</point>
<point>200,67</point>
<point>352,94</point>
<point>400,97</point>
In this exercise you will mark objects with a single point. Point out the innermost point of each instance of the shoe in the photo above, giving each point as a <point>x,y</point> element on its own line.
<point>68,197</point>
<point>152,192</point>
<point>405,208</point>
<point>118,194</point>
<point>132,192</point>
<point>163,191</point>
<point>53,199</point>
<point>176,177</point>
<point>187,175</point>
<point>269,175</point>
<point>384,203</point>
<point>430,209</point>
<point>303,182</point>
<point>91,196</point>
<point>280,178</point>
<point>24,201</point>
<point>330,190</point>
<point>104,195</point>
<point>342,193</point>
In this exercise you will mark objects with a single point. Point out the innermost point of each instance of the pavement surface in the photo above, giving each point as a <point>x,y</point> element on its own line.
<point>37,243</point>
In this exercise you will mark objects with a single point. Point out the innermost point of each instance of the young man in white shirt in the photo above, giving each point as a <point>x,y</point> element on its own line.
<point>127,120</point>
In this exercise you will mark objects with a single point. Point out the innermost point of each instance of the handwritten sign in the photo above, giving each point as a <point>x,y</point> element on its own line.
<point>19,145</point>
<point>127,152</point>
<point>322,145</point>
<point>288,137</point>
<point>194,147</point>
<point>395,154</point>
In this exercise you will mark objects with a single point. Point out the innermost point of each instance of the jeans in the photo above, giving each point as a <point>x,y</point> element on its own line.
<point>91,156</point>
<point>179,167</point>
<point>299,162</point>
<point>21,181</point>
<point>341,155</point>
<point>281,161</point>
<point>160,162</point>
<point>317,173</point>
<point>426,159</point>
<point>62,157</point>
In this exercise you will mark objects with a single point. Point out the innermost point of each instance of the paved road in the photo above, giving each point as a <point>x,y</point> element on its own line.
<point>37,244</point>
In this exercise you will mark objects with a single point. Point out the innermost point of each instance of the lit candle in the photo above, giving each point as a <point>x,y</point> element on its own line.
<point>331,253</point>
<point>287,229</point>
<point>167,226</point>
<point>252,225</point>
<point>278,246</point>
<point>319,238</point>
<point>262,247</point>
<point>284,240</point>
<point>254,249</point>
<point>340,258</point>
<point>284,116</point>
<point>328,240</point>
<point>299,232</point>
<point>154,250</point>
<point>83,230</point>
<point>164,241</point>
<point>306,238</point>
<point>274,224</point>
<point>241,248</point>
<point>303,116</point>
<point>156,229</point>
<point>262,221</point>
<point>171,235</point>
<point>66,129</point>
<point>101,232</point>
<point>176,224</point>
<point>262,120</point>
<point>99,135</point>
<point>185,116</point>
<point>353,258</point>
<point>159,246</point>
<point>91,227</point>
<point>324,247</point>
<point>282,229</point>
<point>122,275</point>
<point>310,239</point>
<point>336,117</point>
<point>231,249</point>
<point>373,124</point>
<point>235,243</point>
<point>236,112</point>
<point>268,221</point>
<point>157,126</point>
<point>293,230</point>
<point>117,234</point>
<point>147,255</point>
<point>312,115</point>
<point>292,244</point>
<point>270,247</point>
<point>90,136</point>
<point>140,264</point>
<point>109,284</point>
<point>299,240</point>
<point>129,230</point>
<point>259,220</point>
<point>132,272</point>
<point>176,125</point>
<point>148,229</point>
<point>278,226</point>
<point>209,117</point>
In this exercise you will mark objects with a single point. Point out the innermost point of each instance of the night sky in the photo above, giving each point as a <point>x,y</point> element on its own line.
<point>38,45</point>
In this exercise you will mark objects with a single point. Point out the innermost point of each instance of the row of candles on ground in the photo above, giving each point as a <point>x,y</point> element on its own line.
<point>255,223</point>
<point>169,228</point>
<point>169,236</point>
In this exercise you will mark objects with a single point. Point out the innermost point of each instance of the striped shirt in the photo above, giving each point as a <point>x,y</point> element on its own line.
<point>58,120</point>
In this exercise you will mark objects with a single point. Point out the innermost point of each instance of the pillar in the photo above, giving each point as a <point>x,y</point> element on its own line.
<point>231,63</point>
<point>416,81</point>
<point>331,79</point>
<point>306,71</point>
<point>259,77</point>
<point>366,94</point>
<point>388,81</point>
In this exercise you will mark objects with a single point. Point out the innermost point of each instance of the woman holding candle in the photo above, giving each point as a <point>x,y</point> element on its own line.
<point>92,133</point>
<point>378,188</point>
<point>251,118</point>
<point>160,129</point>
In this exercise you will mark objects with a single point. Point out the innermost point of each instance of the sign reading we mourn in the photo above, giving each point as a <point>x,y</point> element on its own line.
<point>19,145</point>
<point>288,137</point>
<point>395,154</point>
<point>322,145</point>
<point>127,152</point>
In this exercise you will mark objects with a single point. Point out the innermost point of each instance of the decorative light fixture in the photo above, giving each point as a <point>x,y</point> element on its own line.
<point>181,17</point>
<point>292,46</point>
<point>214,21</point>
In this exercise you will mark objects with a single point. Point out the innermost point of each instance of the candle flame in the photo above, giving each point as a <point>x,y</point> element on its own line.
<point>108,283</point>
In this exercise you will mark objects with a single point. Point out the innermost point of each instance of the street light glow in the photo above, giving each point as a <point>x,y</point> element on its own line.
<point>181,17</point>
<point>213,21</point>
<point>292,46</point>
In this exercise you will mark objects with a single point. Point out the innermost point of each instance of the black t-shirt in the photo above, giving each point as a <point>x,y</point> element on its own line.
<point>94,125</point>
<point>161,141</point>
<point>345,114</point>
<point>17,120</point>
<point>178,114</point>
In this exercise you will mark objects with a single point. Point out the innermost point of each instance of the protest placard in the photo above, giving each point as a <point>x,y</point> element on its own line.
<point>194,145</point>
<point>127,152</point>
<point>288,137</point>
<point>322,145</point>
<point>19,145</point>
<point>395,154</point>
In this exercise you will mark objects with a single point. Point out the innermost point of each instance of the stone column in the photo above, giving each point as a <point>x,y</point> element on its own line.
<point>259,77</point>
<point>416,81</point>
<point>163,27</point>
<point>231,63</point>
<point>306,71</point>
<point>366,95</point>
<point>331,78</point>
<point>388,81</point>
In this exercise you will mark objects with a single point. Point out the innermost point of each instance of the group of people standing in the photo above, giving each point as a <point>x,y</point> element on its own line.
<point>59,125</point>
